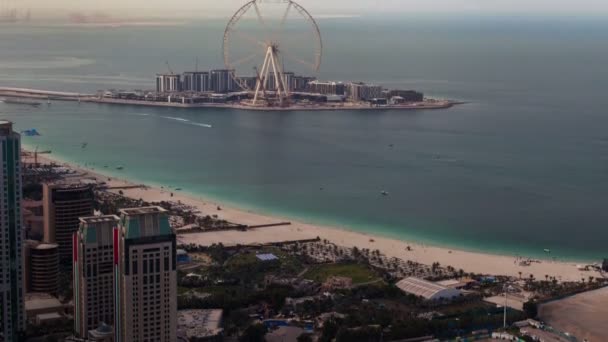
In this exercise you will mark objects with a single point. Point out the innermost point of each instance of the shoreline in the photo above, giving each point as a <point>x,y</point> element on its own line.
<point>469,261</point>
<point>61,96</point>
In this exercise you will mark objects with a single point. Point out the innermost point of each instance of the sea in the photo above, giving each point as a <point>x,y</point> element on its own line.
<point>521,167</point>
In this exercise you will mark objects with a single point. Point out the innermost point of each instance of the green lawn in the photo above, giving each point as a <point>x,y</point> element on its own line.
<point>357,272</point>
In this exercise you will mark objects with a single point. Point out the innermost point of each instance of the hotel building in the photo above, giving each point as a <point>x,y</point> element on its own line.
<point>93,257</point>
<point>12,315</point>
<point>146,278</point>
<point>64,204</point>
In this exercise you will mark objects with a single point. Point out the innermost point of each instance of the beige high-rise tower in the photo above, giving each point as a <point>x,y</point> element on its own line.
<point>93,257</point>
<point>146,276</point>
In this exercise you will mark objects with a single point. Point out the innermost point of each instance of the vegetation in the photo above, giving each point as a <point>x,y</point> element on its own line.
<point>359,273</point>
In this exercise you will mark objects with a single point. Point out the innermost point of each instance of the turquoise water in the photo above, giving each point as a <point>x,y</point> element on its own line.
<point>522,167</point>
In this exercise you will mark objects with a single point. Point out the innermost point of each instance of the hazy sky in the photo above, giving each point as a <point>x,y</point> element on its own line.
<point>225,7</point>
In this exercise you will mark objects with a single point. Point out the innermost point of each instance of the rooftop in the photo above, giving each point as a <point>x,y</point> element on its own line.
<point>266,257</point>
<point>142,211</point>
<point>426,289</point>
<point>200,323</point>
<point>41,301</point>
<point>99,219</point>
<point>46,246</point>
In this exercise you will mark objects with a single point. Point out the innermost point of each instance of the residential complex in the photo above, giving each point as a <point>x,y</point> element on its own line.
<point>41,267</point>
<point>93,269</point>
<point>12,319</point>
<point>146,273</point>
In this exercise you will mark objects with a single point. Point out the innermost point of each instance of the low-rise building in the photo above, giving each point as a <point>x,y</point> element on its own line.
<point>327,88</point>
<point>427,289</point>
<point>407,95</point>
<point>359,91</point>
<point>200,325</point>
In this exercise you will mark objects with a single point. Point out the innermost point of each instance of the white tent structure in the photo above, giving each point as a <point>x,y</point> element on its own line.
<point>426,289</point>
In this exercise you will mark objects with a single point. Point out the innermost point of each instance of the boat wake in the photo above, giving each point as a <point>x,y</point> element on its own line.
<point>176,119</point>
<point>186,121</point>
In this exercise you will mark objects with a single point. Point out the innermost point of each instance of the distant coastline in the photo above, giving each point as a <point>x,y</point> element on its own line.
<point>67,96</point>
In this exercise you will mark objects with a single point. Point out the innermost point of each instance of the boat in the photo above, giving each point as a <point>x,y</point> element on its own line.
<point>547,250</point>
<point>30,132</point>
<point>120,167</point>
<point>21,102</point>
<point>384,193</point>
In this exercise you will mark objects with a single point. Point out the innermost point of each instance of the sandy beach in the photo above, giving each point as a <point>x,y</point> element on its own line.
<point>469,261</point>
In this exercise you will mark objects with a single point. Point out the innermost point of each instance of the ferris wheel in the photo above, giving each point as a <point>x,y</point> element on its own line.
<point>279,34</point>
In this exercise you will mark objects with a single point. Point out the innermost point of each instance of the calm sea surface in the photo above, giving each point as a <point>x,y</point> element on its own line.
<point>522,167</point>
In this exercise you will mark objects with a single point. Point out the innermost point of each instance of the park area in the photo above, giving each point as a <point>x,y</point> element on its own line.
<point>359,273</point>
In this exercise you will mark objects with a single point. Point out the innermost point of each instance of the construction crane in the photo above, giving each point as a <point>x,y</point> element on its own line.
<point>169,67</point>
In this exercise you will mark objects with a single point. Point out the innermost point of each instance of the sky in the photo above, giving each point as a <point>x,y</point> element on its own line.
<point>320,7</point>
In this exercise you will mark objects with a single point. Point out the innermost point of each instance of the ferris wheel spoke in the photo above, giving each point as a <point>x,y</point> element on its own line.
<point>251,39</point>
<point>261,19</point>
<point>296,59</point>
<point>244,60</point>
<point>278,32</point>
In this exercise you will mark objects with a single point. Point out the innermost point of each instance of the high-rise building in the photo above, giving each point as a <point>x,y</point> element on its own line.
<point>196,81</point>
<point>41,267</point>
<point>145,264</point>
<point>12,315</point>
<point>222,81</point>
<point>93,270</point>
<point>64,204</point>
<point>168,83</point>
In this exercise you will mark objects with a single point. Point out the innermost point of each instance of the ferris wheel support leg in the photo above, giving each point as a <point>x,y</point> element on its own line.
<point>277,74</point>
<point>261,78</point>
<point>268,66</point>
<point>283,80</point>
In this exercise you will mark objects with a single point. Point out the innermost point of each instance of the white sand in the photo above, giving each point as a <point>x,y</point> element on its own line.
<point>469,261</point>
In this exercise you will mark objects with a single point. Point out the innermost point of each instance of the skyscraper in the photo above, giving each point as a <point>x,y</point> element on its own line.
<point>12,315</point>
<point>93,270</point>
<point>146,276</point>
<point>64,204</point>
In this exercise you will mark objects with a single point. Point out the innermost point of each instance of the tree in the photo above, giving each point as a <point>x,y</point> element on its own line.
<point>254,333</point>
<point>330,329</point>
<point>531,309</point>
<point>305,338</point>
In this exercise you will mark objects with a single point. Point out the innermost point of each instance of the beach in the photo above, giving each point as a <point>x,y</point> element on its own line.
<point>469,261</point>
